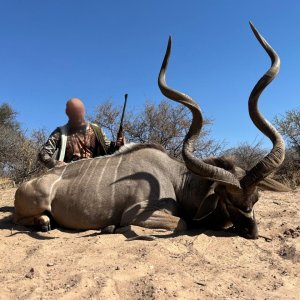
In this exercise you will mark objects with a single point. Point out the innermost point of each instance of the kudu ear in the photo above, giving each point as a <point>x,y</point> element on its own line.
<point>269,184</point>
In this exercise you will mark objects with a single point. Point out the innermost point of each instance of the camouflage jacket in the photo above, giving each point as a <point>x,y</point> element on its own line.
<point>87,142</point>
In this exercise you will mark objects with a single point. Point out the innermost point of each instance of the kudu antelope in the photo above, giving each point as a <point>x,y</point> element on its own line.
<point>141,185</point>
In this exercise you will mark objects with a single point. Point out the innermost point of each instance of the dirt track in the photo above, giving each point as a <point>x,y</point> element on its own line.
<point>197,265</point>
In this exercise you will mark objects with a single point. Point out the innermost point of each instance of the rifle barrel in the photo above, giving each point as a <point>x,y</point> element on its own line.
<point>123,112</point>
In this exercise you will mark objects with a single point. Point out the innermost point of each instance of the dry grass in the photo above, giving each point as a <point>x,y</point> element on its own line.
<point>6,183</point>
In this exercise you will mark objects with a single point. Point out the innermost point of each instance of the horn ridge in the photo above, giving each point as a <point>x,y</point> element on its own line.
<point>194,164</point>
<point>276,156</point>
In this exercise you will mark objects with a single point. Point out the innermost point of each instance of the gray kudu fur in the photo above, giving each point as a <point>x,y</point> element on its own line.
<point>141,185</point>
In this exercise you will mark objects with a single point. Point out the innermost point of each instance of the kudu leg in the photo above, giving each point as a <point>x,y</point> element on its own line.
<point>141,214</point>
<point>31,203</point>
<point>160,219</point>
<point>41,221</point>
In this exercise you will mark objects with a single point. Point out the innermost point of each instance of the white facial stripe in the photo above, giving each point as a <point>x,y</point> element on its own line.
<point>248,215</point>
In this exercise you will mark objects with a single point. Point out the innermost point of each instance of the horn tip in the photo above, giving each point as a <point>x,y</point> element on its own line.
<point>252,26</point>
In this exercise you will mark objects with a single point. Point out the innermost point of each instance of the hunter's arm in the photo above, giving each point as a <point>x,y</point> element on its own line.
<point>106,140</point>
<point>46,153</point>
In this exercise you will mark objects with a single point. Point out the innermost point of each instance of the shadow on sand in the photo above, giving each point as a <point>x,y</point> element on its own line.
<point>7,224</point>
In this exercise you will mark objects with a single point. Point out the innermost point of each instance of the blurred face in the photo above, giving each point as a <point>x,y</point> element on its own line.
<point>76,112</point>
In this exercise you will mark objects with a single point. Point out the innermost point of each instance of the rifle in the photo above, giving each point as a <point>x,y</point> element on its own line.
<point>120,132</point>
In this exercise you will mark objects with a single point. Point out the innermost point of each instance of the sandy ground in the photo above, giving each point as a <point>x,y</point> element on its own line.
<point>62,264</point>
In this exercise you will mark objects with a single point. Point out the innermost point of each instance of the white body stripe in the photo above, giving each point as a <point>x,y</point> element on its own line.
<point>113,192</point>
<point>53,184</point>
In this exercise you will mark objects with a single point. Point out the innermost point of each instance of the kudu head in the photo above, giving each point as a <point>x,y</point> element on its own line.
<point>237,188</point>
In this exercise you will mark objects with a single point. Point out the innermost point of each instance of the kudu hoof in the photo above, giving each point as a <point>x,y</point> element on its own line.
<point>45,228</point>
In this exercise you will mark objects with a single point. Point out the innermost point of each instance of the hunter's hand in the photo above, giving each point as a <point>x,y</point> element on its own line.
<point>120,141</point>
<point>60,164</point>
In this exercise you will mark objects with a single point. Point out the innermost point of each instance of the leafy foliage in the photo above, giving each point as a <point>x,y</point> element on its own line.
<point>8,117</point>
<point>289,126</point>
<point>289,171</point>
<point>18,154</point>
<point>162,124</point>
<point>246,155</point>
